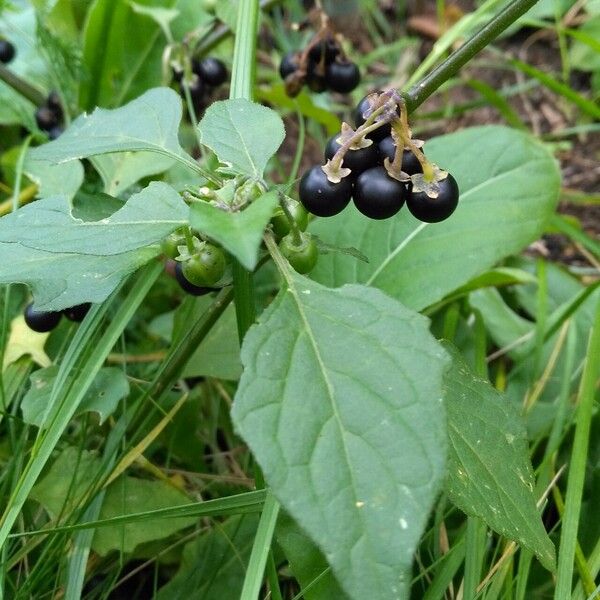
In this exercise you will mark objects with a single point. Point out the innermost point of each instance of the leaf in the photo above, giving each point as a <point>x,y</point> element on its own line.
<point>242,134</point>
<point>489,471</point>
<point>340,402</point>
<point>238,232</point>
<point>209,568</point>
<point>67,261</point>
<point>53,179</point>
<point>72,474</point>
<point>509,187</point>
<point>25,342</point>
<point>121,170</point>
<point>109,386</point>
<point>148,123</point>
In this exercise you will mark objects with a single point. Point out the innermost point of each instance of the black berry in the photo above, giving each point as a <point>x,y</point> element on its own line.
<point>39,320</point>
<point>321,197</point>
<point>7,51</point>
<point>410,163</point>
<point>53,103</point>
<point>357,160</point>
<point>77,313</point>
<point>46,118</point>
<point>289,64</point>
<point>342,77</point>
<point>328,47</point>
<point>359,119</point>
<point>188,286</point>
<point>434,210</point>
<point>211,70</point>
<point>377,195</point>
<point>314,80</point>
<point>55,132</point>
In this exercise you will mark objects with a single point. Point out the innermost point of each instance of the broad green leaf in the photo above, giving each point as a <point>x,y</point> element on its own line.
<point>307,562</point>
<point>109,386</point>
<point>210,569</point>
<point>238,232</point>
<point>341,404</point>
<point>67,261</point>
<point>242,134</point>
<point>120,170</point>
<point>509,187</point>
<point>489,470</point>
<point>53,179</point>
<point>74,471</point>
<point>148,123</point>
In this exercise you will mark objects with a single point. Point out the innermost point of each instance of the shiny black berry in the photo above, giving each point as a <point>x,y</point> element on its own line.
<point>357,160</point>
<point>314,80</point>
<point>53,103</point>
<point>211,70</point>
<point>434,210</point>
<point>359,119</point>
<point>77,313</point>
<point>321,197</point>
<point>410,163</point>
<point>39,320</point>
<point>46,118</point>
<point>7,51</point>
<point>377,195</point>
<point>188,286</point>
<point>289,64</point>
<point>329,47</point>
<point>342,77</point>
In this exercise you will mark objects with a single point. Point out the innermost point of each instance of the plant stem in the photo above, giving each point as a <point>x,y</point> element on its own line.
<point>20,85</point>
<point>448,68</point>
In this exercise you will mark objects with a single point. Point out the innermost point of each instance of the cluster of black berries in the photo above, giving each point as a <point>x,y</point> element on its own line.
<point>321,65</point>
<point>206,74</point>
<point>42,321</point>
<point>375,173</point>
<point>7,51</point>
<point>50,115</point>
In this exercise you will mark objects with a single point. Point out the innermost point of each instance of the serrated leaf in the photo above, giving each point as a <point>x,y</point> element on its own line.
<point>340,402</point>
<point>108,388</point>
<point>240,232</point>
<point>148,123</point>
<point>67,261</point>
<point>489,470</point>
<point>242,134</point>
<point>509,186</point>
<point>122,169</point>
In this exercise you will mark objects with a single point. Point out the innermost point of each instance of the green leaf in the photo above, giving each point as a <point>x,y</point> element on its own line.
<point>242,134</point>
<point>74,471</point>
<point>506,199</point>
<point>53,179</point>
<point>148,123</point>
<point>109,386</point>
<point>209,568</point>
<point>489,471</point>
<point>341,403</point>
<point>67,261</point>
<point>238,232</point>
<point>120,170</point>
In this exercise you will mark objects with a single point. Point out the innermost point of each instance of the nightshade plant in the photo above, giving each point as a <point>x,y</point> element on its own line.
<point>363,426</point>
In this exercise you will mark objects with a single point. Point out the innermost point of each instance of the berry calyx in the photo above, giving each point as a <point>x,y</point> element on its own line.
<point>433,210</point>
<point>280,223</point>
<point>188,286</point>
<point>342,76</point>
<point>410,163</point>
<point>39,320</point>
<point>77,313</point>
<point>377,195</point>
<point>170,245</point>
<point>205,267</point>
<point>289,64</point>
<point>211,70</point>
<point>321,197</point>
<point>7,51</point>
<point>301,254</point>
<point>359,119</point>
<point>358,160</point>
<point>46,118</point>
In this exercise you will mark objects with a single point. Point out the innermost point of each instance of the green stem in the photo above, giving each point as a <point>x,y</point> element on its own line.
<point>20,85</point>
<point>448,68</point>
